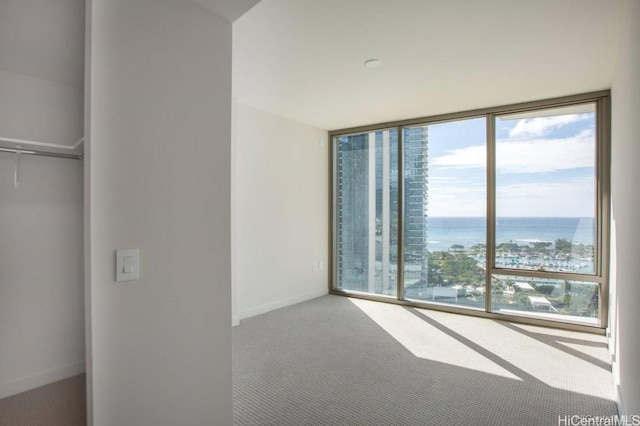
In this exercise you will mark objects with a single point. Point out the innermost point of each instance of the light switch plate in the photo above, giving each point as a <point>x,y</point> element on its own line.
<point>127,264</point>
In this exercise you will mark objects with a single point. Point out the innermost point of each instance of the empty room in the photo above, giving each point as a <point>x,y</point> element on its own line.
<point>322,212</point>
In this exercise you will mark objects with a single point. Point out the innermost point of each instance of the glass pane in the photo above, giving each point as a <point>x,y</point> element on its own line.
<point>576,301</point>
<point>367,204</point>
<point>545,189</point>
<point>444,212</point>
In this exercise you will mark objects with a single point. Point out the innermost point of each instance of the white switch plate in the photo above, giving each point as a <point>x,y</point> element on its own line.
<point>127,264</point>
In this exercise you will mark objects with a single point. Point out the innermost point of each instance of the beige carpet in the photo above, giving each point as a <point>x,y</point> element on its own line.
<point>59,404</point>
<point>340,361</point>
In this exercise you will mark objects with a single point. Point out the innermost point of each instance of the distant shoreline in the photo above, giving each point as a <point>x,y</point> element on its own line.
<point>444,231</point>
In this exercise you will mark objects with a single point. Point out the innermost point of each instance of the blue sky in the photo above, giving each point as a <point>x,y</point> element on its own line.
<point>544,166</point>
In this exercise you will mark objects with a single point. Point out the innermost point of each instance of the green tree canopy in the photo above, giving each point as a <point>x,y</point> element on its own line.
<point>563,245</point>
<point>455,268</point>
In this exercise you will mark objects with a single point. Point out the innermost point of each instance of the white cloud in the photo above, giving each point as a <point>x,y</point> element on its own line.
<point>575,187</point>
<point>441,180</point>
<point>532,156</point>
<point>472,156</point>
<point>456,198</point>
<point>540,126</point>
<point>571,198</point>
<point>568,198</point>
<point>546,155</point>
<point>468,205</point>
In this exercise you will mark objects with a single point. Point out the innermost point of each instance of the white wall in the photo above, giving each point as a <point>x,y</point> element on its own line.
<point>41,272</point>
<point>281,222</point>
<point>37,110</point>
<point>625,171</point>
<point>159,134</point>
<point>41,71</point>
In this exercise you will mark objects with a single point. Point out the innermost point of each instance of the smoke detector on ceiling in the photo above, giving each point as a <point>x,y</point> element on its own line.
<point>372,63</point>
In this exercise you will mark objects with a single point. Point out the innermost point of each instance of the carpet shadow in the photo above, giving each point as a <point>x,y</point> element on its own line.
<point>325,362</point>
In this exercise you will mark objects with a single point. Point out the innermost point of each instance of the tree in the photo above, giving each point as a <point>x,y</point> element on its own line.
<point>545,289</point>
<point>455,269</point>
<point>541,246</point>
<point>510,246</point>
<point>480,247</point>
<point>563,245</point>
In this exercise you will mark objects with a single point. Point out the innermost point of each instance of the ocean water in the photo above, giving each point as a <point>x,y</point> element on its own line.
<point>443,232</point>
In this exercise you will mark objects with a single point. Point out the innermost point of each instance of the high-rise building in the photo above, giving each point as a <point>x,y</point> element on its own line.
<point>367,200</point>
<point>416,185</point>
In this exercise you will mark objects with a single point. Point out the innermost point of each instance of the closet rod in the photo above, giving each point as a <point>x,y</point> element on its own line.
<point>42,153</point>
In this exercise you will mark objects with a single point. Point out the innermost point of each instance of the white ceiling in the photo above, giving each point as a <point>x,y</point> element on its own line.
<point>44,39</point>
<point>42,45</point>
<point>303,59</point>
<point>228,9</point>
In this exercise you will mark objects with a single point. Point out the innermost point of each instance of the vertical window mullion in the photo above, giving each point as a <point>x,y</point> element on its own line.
<point>491,208</point>
<point>603,174</point>
<point>337,171</point>
<point>599,210</point>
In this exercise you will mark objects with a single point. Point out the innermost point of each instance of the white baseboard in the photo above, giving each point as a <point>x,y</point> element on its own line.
<point>621,410</point>
<point>23,384</point>
<point>235,320</point>
<point>248,313</point>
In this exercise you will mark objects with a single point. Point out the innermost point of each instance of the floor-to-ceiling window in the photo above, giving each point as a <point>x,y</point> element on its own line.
<point>546,211</point>
<point>503,212</point>
<point>445,211</point>
<point>367,212</point>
